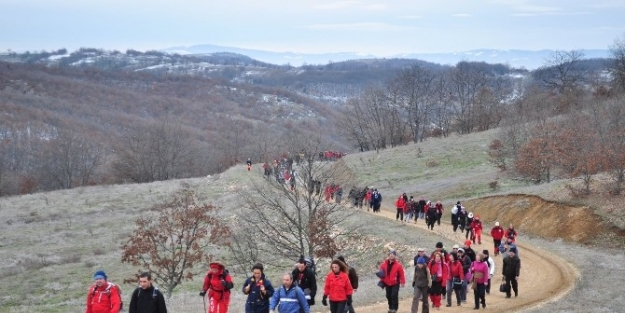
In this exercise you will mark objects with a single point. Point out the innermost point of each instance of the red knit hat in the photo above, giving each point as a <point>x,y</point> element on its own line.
<point>467,243</point>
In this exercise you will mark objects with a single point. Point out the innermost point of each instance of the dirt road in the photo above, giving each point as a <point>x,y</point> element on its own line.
<point>544,276</point>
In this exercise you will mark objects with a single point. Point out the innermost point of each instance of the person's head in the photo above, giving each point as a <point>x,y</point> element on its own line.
<point>392,255</point>
<point>511,226</point>
<point>479,257</point>
<point>455,248</point>
<point>467,244</point>
<point>338,266</point>
<point>512,252</point>
<point>439,246</point>
<point>341,258</point>
<point>509,240</point>
<point>100,278</point>
<point>453,257</point>
<point>216,267</point>
<point>485,253</point>
<point>458,203</point>
<point>257,271</point>
<point>460,253</point>
<point>420,262</point>
<point>145,280</point>
<point>438,257</point>
<point>421,251</point>
<point>496,224</point>
<point>287,280</point>
<point>301,264</point>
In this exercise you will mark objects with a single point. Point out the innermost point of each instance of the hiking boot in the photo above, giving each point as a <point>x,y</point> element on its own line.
<point>448,305</point>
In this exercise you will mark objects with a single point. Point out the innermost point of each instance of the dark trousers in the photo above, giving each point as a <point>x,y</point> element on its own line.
<point>488,287</point>
<point>480,295</point>
<point>450,290</point>
<point>392,295</point>
<point>497,244</point>
<point>431,222</point>
<point>400,214</point>
<point>438,218</point>
<point>350,308</point>
<point>511,280</point>
<point>337,306</point>
<point>454,221</point>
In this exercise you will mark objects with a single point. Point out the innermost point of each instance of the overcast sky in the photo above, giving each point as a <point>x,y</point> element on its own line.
<point>373,27</point>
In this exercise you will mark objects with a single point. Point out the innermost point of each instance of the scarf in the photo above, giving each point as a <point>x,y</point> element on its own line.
<point>439,272</point>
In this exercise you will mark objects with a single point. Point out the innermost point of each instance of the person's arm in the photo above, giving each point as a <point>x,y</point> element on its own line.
<point>89,295</point>
<point>355,276</point>
<point>491,266</point>
<point>402,275</point>
<point>429,276</point>
<point>518,269</point>
<point>268,288</point>
<point>246,286</point>
<point>160,302</point>
<point>274,300</point>
<point>116,302</point>
<point>132,307</point>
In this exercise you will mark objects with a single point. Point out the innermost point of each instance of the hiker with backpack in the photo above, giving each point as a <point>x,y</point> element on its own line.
<point>455,278</point>
<point>376,200</point>
<point>497,233</point>
<point>462,219</point>
<point>258,290</point>
<point>337,288</point>
<point>454,215</point>
<point>289,298</point>
<point>147,298</point>
<point>511,233</point>
<point>353,280</point>
<point>103,296</point>
<point>400,205</point>
<point>439,211</point>
<point>304,276</point>
<point>476,230</point>
<point>218,283</point>
<point>469,230</point>
<point>394,278</point>
<point>421,282</point>
<point>431,214</point>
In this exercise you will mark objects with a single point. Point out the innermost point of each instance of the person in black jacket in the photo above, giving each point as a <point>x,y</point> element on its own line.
<point>147,298</point>
<point>511,270</point>
<point>353,279</point>
<point>304,277</point>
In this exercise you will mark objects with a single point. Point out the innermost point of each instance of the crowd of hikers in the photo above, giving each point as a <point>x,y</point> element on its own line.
<point>436,277</point>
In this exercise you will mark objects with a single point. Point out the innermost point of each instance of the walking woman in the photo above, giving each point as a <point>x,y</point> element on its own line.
<point>479,269</point>
<point>337,288</point>
<point>439,271</point>
<point>455,279</point>
<point>258,290</point>
<point>421,282</point>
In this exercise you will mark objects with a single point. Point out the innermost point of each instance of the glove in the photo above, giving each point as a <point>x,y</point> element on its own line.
<point>202,293</point>
<point>324,301</point>
<point>224,283</point>
<point>349,300</point>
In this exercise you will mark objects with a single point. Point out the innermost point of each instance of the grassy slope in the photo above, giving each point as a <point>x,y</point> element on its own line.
<point>51,243</point>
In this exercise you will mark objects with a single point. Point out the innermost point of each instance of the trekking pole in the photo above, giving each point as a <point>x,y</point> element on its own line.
<point>204,300</point>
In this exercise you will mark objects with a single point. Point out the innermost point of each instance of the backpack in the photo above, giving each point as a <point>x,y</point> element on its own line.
<point>310,263</point>
<point>376,196</point>
<point>112,288</point>
<point>224,274</point>
<point>454,210</point>
<point>154,294</point>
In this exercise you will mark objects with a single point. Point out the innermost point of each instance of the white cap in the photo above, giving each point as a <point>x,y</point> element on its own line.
<point>470,214</point>
<point>496,223</point>
<point>456,247</point>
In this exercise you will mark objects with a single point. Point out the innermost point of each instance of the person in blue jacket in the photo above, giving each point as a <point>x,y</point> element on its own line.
<point>258,290</point>
<point>289,298</point>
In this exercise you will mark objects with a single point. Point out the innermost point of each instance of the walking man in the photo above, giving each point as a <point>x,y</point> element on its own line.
<point>147,298</point>
<point>103,296</point>
<point>511,271</point>
<point>289,298</point>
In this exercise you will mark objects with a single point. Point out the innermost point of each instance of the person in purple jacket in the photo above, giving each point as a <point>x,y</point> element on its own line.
<point>479,269</point>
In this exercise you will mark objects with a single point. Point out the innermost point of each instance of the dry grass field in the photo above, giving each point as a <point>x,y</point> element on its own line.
<point>51,243</point>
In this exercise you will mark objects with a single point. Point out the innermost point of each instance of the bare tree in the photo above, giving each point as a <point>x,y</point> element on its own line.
<point>158,151</point>
<point>617,49</point>
<point>467,80</point>
<point>170,243</point>
<point>285,223</point>
<point>561,72</point>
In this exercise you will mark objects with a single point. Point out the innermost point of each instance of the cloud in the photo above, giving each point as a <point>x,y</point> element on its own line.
<point>551,13</point>
<point>340,5</point>
<point>369,26</point>
<point>410,17</point>
<point>461,15</point>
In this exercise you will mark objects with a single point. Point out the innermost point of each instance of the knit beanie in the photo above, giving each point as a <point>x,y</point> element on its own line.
<point>100,274</point>
<point>420,260</point>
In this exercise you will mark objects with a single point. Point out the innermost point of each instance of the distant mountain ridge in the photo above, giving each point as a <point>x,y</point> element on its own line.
<point>529,59</point>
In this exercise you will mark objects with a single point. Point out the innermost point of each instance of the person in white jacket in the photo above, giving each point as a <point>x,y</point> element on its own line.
<point>491,268</point>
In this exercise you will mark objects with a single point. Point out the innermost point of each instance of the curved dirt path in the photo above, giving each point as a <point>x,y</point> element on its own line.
<point>544,276</point>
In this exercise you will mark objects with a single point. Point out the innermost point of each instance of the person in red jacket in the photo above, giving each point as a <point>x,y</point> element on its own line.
<point>456,276</point>
<point>400,204</point>
<point>218,284</point>
<point>368,202</point>
<point>393,277</point>
<point>337,287</point>
<point>439,271</point>
<point>476,227</point>
<point>102,296</point>
<point>511,233</point>
<point>497,233</point>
